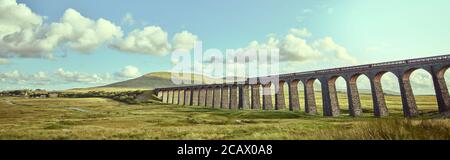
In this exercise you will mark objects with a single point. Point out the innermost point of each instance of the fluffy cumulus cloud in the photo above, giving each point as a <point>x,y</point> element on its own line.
<point>184,40</point>
<point>18,25</point>
<point>294,48</point>
<point>23,33</point>
<point>128,72</point>
<point>153,40</point>
<point>12,76</point>
<point>295,52</point>
<point>16,77</point>
<point>63,76</point>
<point>150,40</point>
<point>327,45</point>
<point>78,77</point>
<point>81,33</point>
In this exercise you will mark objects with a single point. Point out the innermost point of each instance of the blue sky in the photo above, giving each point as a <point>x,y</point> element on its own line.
<point>369,31</point>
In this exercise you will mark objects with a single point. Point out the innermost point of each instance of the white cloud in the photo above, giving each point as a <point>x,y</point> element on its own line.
<point>295,52</point>
<point>128,19</point>
<point>15,17</point>
<point>18,25</point>
<point>300,32</point>
<point>128,72</point>
<point>16,77</point>
<point>68,76</point>
<point>13,75</point>
<point>327,45</point>
<point>294,48</point>
<point>151,40</point>
<point>81,33</point>
<point>43,79</point>
<point>23,33</point>
<point>40,75</point>
<point>184,40</point>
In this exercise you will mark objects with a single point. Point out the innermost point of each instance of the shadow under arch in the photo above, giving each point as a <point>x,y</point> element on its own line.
<point>341,90</point>
<point>273,90</point>
<point>301,94</point>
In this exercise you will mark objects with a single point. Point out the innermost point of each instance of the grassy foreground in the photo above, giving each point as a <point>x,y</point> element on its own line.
<point>97,118</point>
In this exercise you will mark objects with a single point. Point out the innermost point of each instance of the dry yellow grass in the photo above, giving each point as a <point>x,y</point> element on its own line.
<point>97,118</point>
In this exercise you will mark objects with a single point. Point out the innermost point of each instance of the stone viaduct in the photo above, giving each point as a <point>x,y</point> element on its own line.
<point>236,95</point>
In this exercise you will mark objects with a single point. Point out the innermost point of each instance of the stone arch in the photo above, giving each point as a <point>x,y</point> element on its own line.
<point>181,96</point>
<point>244,96</point>
<point>330,100</point>
<point>225,96</point>
<point>255,96</point>
<point>438,74</point>
<point>341,91</point>
<point>176,93</point>
<point>202,96</point>
<point>312,100</point>
<point>195,96</point>
<point>301,93</point>
<point>170,96</point>
<point>266,96</point>
<point>272,93</point>
<point>379,92</point>
<point>209,96</point>
<point>294,103</point>
<point>419,80</point>
<point>360,100</point>
<point>280,95</point>
<point>442,72</point>
<point>216,96</point>
<point>234,96</point>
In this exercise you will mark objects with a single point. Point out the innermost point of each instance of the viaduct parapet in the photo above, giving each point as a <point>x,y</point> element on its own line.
<point>246,94</point>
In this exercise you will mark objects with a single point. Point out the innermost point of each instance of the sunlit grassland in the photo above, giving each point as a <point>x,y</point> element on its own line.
<point>97,118</point>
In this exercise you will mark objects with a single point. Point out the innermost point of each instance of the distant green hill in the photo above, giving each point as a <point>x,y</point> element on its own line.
<point>154,80</point>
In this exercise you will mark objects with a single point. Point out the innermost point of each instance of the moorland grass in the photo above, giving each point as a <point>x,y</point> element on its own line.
<point>99,118</point>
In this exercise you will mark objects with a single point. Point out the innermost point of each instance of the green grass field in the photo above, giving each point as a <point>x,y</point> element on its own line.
<point>97,118</point>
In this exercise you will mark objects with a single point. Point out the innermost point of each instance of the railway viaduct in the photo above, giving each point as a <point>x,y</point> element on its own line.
<point>236,95</point>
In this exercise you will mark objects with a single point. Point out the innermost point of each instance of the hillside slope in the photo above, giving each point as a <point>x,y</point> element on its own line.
<point>153,80</point>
